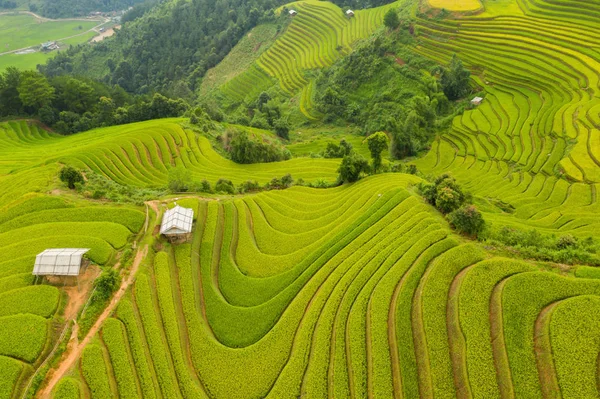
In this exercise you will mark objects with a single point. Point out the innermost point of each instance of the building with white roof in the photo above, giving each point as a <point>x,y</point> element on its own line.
<point>177,222</point>
<point>59,262</point>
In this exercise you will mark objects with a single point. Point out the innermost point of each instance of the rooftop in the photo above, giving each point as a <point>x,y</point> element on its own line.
<point>177,220</point>
<point>59,262</point>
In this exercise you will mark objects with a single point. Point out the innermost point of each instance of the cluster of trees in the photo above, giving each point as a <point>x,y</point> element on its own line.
<point>73,8</point>
<point>8,4</point>
<point>70,104</point>
<point>334,150</point>
<point>354,165</point>
<point>180,180</point>
<point>447,196</point>
<point>245,149</point>
<point>396,96</point>
<point>263,113</point>
<point>169,48</point>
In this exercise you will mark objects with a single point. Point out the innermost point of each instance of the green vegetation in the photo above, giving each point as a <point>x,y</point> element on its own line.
<point>324,275</point>
<point>67,388</point>
<point>22,31</point>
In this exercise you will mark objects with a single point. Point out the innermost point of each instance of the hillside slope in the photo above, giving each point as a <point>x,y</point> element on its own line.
<point>534,143</point>
<point>315,38</point>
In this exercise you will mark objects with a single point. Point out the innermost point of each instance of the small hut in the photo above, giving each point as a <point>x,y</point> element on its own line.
<point>477,101</point>
<point>60,262</point>
<point>177,223</point>
<point>293,13</point>
<point>349,13</point>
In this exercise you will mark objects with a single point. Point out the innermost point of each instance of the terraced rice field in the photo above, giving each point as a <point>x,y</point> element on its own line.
<point>138,154</point>
<point>29,223</point>
<point>534,143</point>
<point>315,38</point>
<point>356,291</point>
<point>457,5</point>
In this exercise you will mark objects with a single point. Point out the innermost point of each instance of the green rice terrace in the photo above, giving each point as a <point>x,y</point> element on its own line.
<point>327,287</point>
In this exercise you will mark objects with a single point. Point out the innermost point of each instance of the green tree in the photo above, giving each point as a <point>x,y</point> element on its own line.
<point>377,142</point>
<point>34,90</point>
<point>390,19</point>
<point>224,186</point>
<point>467,220</point>
<point>282,128</point>
<point>10,103</point>
<point>70,176</point>
<point>179,179</point>
<point>107,283</point>
<point>351,168</point>
<point>455,79</point>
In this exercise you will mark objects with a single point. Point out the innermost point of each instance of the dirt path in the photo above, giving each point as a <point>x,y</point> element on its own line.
<point>78,294</point>
<point>105,34</point>
<point>74,352</point>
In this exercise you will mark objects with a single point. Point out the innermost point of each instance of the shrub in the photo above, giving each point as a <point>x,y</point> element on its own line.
<point>70,176</point>
<point>282,128</point>
<point>334,150</point>
<point>179,179</point>
<point>377,143</point>
<point>445,194</point>
<point>467,220</point>
<point>351,168</point>
<point>224,186</point>
<point>107,283</point>
<point>391,20</point>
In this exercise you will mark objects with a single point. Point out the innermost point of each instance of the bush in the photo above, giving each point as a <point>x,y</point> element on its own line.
<point>445,194</point>
<point>467,220</point>
<point>179,179</point>
<point>334,150</point>
<point>391,20</point>
<point>225,186</point>
<point>351,168</point>
<point>282,128</point>
<point>70,176</point>
<point>107,283</point>
<point>243,149</point>
<point>377,143</point>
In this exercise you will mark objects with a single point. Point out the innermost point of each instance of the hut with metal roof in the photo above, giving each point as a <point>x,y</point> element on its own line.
<point>177,223</point>
<point>60,262</point>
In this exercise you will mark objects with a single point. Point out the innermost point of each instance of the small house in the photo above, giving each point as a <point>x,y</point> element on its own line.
<point>177,223</point>
<point>60,262</point>
<point>49,46</point>
<point>477,101</point>
<point>293,13</point>
<point>349,13</point>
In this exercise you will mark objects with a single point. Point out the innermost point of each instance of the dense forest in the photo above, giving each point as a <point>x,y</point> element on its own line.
<point>169,48</point>
<point>70,104</point>
<point>71,8</point>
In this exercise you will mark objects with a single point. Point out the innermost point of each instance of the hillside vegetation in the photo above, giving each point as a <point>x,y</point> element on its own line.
<point>318,36</point>
<point>356,290</point>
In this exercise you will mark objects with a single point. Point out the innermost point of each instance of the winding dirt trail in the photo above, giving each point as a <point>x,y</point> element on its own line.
<point>74,352</point>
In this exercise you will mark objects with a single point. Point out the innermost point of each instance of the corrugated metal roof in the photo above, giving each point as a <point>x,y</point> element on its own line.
<point>177,220</point>
<point>59,262</point>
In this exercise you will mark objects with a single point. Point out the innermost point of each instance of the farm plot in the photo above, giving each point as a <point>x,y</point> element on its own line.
<point>31,222</point>
<point>354,291</point>
<point>138,154</point>
<point>533,142</point>
<point>315,38</point>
